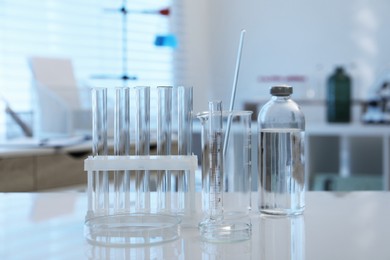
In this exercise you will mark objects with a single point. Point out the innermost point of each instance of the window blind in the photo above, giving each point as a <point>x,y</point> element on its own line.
<point>89,32</point>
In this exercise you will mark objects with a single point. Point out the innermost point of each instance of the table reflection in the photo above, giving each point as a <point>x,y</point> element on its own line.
<point>169,250</point>
<point>50,226</point>
<point>273,238</point>
<point>282,237</point>
<point>235,250</point>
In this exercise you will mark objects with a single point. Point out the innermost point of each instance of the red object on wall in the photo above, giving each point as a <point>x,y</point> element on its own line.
<point>165,11</point>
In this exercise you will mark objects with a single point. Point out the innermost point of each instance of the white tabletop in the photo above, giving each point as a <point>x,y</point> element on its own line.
<point>334,226</point>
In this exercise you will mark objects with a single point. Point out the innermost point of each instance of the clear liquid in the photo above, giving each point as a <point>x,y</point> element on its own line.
<point>281,171</point>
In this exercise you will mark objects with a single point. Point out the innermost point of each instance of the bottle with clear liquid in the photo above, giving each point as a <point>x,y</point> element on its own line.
<point>281,169</point>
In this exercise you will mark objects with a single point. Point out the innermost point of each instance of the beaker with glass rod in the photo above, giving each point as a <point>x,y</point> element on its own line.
<point>225,175</point>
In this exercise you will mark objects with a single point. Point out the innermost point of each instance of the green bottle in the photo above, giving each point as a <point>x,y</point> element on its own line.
<point>338,97</point>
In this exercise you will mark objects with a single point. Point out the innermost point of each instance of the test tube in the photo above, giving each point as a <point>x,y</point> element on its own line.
<point>164,130</point>
<point>215,159</point>
<point>121,147</point>
<point>99,199</point>
<point>142,145</point>
<point>185,106</point>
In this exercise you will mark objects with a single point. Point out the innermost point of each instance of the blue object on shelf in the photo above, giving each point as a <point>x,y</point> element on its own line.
<point>168,40</point>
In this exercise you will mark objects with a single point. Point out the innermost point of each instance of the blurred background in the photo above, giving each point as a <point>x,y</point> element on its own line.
<point>52,52</point>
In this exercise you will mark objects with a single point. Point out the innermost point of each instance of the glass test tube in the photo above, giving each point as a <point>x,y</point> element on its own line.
<point>215,159</point>
<point>185,106</point>
<point>142,145</point>
<point>122,147</point>
<point>99,200</point>
<point>164,130</point>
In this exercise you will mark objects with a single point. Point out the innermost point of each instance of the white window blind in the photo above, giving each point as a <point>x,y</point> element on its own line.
<point>89,32</point>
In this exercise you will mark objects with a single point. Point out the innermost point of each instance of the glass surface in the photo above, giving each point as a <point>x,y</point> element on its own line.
<point>337,226</point>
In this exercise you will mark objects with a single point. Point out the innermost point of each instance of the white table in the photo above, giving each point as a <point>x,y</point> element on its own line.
<point>334,226</point>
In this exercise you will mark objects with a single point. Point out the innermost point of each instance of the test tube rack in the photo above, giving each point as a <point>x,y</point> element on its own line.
<point>110,226</point>
<point>135,198</point>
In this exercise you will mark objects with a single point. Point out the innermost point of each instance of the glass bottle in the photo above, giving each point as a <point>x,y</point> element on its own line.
<point>338,97</point>
<point>281,182</point>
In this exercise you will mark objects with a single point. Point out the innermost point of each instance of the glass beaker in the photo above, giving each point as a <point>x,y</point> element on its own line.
<point>234,223</point>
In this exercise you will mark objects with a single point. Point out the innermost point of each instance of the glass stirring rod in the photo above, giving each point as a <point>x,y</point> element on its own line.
<point>215,141</point>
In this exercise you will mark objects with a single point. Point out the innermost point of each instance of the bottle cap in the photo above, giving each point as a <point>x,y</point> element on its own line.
<point>281,90</point>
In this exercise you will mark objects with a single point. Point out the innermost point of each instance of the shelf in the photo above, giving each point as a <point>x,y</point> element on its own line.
<point>347,151</point>
<point>354,129</point>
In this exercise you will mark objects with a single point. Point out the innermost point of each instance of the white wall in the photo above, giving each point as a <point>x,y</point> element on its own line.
<point>284,38</point>
<point>193,55</point>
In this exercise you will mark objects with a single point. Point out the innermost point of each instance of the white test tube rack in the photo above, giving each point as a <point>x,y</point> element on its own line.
<point>123,207</point>
<point>108,227</point>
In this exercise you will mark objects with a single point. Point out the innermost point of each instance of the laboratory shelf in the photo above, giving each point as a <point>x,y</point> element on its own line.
<point>353,153</point>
